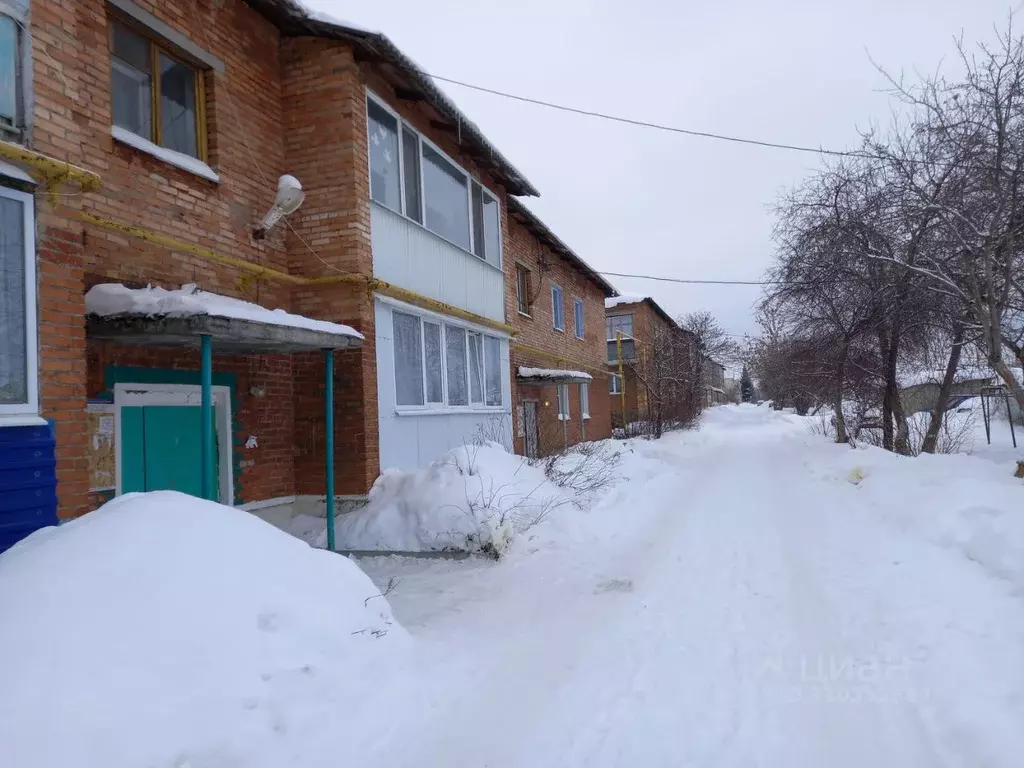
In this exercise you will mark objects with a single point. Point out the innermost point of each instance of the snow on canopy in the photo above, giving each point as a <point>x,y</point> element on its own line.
<point>116,300</point>
<point>162,626</point>
<point>913,378</point>
<point>625,298</point>
<point>551,373</point>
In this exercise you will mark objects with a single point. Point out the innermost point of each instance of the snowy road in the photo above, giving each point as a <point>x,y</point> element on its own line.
<point>737,602</point>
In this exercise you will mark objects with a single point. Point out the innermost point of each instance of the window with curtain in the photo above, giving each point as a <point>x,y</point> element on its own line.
<point>385,184</point>
<point>408,359</point>
<point>492,359</point>
<point>455,353</point>
<point>628,350</point>
<point>476,369</point>
<point>445,193</point>
<point>557,308</point>
<point>168,113</point>
<point>443,365</point>
<point>411,175</point>
<point>577,316</point>
<point>433,362</point>
<point>615,384</point>
<point>616,323</point>
<point>584,400</point>
<point>17,314</point>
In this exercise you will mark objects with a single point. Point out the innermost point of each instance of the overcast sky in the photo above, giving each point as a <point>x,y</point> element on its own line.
<point>640,201</point>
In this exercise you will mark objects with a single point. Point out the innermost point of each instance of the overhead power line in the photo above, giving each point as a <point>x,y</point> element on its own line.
<point>700,282</point>
<point>647,124</point>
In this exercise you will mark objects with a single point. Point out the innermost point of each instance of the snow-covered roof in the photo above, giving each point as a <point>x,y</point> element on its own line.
<point>293,18</point>
<point>551,373</point>
<point>116,300</point>
<point>913,378</point>
<point>625,298</point>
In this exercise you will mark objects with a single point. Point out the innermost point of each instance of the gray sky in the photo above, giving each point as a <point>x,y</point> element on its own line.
<point>635,200</point>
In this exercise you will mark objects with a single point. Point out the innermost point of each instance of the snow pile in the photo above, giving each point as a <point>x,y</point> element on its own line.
<point>551,373</point>
<point>913,378</point>
<point>163,630</point>
<point>474,498</point>
<point>625,298</point>
<point>116,300</point>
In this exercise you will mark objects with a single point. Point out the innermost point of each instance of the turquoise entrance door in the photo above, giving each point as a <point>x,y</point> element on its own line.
<point>160,449</point>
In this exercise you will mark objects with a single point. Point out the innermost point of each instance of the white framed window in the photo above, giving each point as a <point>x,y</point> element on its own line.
<point>557,308</point>
<point>584,400</point>
<point>577,316</point>
<point>19,395</point>
<point>444,365</point>
<point>14,59</point>
<point>563,402</point>
<point>615,384</point>
<point>614,324</point>
<point>413,177</point>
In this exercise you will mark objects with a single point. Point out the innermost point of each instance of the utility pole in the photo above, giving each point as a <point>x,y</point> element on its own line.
<point>622,377</point>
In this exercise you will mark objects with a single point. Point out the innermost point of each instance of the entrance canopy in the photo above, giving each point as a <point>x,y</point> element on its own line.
<point>552,376</point>
<point>182,317</point>
<point>191,318</point>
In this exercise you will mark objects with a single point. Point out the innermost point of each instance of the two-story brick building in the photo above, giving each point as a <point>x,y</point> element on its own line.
<point>142,144</point>
<point>555,301</point>
<point>651,362</point>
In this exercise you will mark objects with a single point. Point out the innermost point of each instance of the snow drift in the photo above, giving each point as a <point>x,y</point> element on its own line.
<point>474,498</point>
<point>162,628</point>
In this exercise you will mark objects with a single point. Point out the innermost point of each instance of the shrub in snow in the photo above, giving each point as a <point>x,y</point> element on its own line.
<point>472,499</point>
<point>584,468</point>
<point>162,624</point>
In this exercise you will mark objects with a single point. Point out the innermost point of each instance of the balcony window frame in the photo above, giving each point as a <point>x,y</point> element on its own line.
<point>28,411</point>
<point>486,194</point>
<point>17,130</point>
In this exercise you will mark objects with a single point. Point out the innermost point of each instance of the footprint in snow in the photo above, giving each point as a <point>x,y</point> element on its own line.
<point>614,585</point>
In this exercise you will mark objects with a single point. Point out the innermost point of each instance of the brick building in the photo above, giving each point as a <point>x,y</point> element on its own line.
<point>555,301</point>
<point>141,144</point>
<point>658,370</point>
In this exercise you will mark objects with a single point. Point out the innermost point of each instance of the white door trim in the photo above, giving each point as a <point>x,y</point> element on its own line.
<point>180,394</point>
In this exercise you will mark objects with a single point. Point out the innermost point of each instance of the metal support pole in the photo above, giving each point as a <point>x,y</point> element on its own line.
<point>1009,418</point>
<point>207,453</point>
<point>622,377</point>
<point>329,447</point>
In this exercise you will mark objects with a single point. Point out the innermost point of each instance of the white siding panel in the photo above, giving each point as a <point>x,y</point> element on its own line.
<point>409,256</point>
<point>411,442</point>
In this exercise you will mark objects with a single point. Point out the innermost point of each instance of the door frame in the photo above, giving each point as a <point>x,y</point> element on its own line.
<point>140,395</point>
<point>536,428</point>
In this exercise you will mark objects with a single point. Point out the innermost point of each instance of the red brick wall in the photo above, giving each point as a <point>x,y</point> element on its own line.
<point>538,345</point>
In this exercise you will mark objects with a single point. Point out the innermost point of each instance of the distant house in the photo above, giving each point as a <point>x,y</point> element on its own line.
<point>556,309</point>
<point>714,383</point>
<point>651,361</point>
<point>919,389</point>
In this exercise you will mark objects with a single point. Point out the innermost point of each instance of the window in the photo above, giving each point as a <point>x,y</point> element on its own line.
<point>385,186</point>
<point>455,353</point>
<point>18,373</point>
<point>408,360</point>
<point>557,309</point>
<point>476,369</point>
<point>155,95</point>
<point>445,189</point>
<point>615,384</point>
<point>614,324</point>
<point>432,362</point>
<point>577,316</point>
<point>442,365</point>
<point>412,177</point>
<point>563,402</point>
<point>523,289</point>
<point>584,400</point>
<point>11,59</point>
<point>492,370</point>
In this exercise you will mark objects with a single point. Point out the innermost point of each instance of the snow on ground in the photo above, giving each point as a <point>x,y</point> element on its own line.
<point>474,498</point>
<point>163,630</point>
<point>749,594</point>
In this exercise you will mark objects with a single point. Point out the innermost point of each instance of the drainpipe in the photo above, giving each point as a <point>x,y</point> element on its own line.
<point>329,447</point>
<point>207,416</point>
